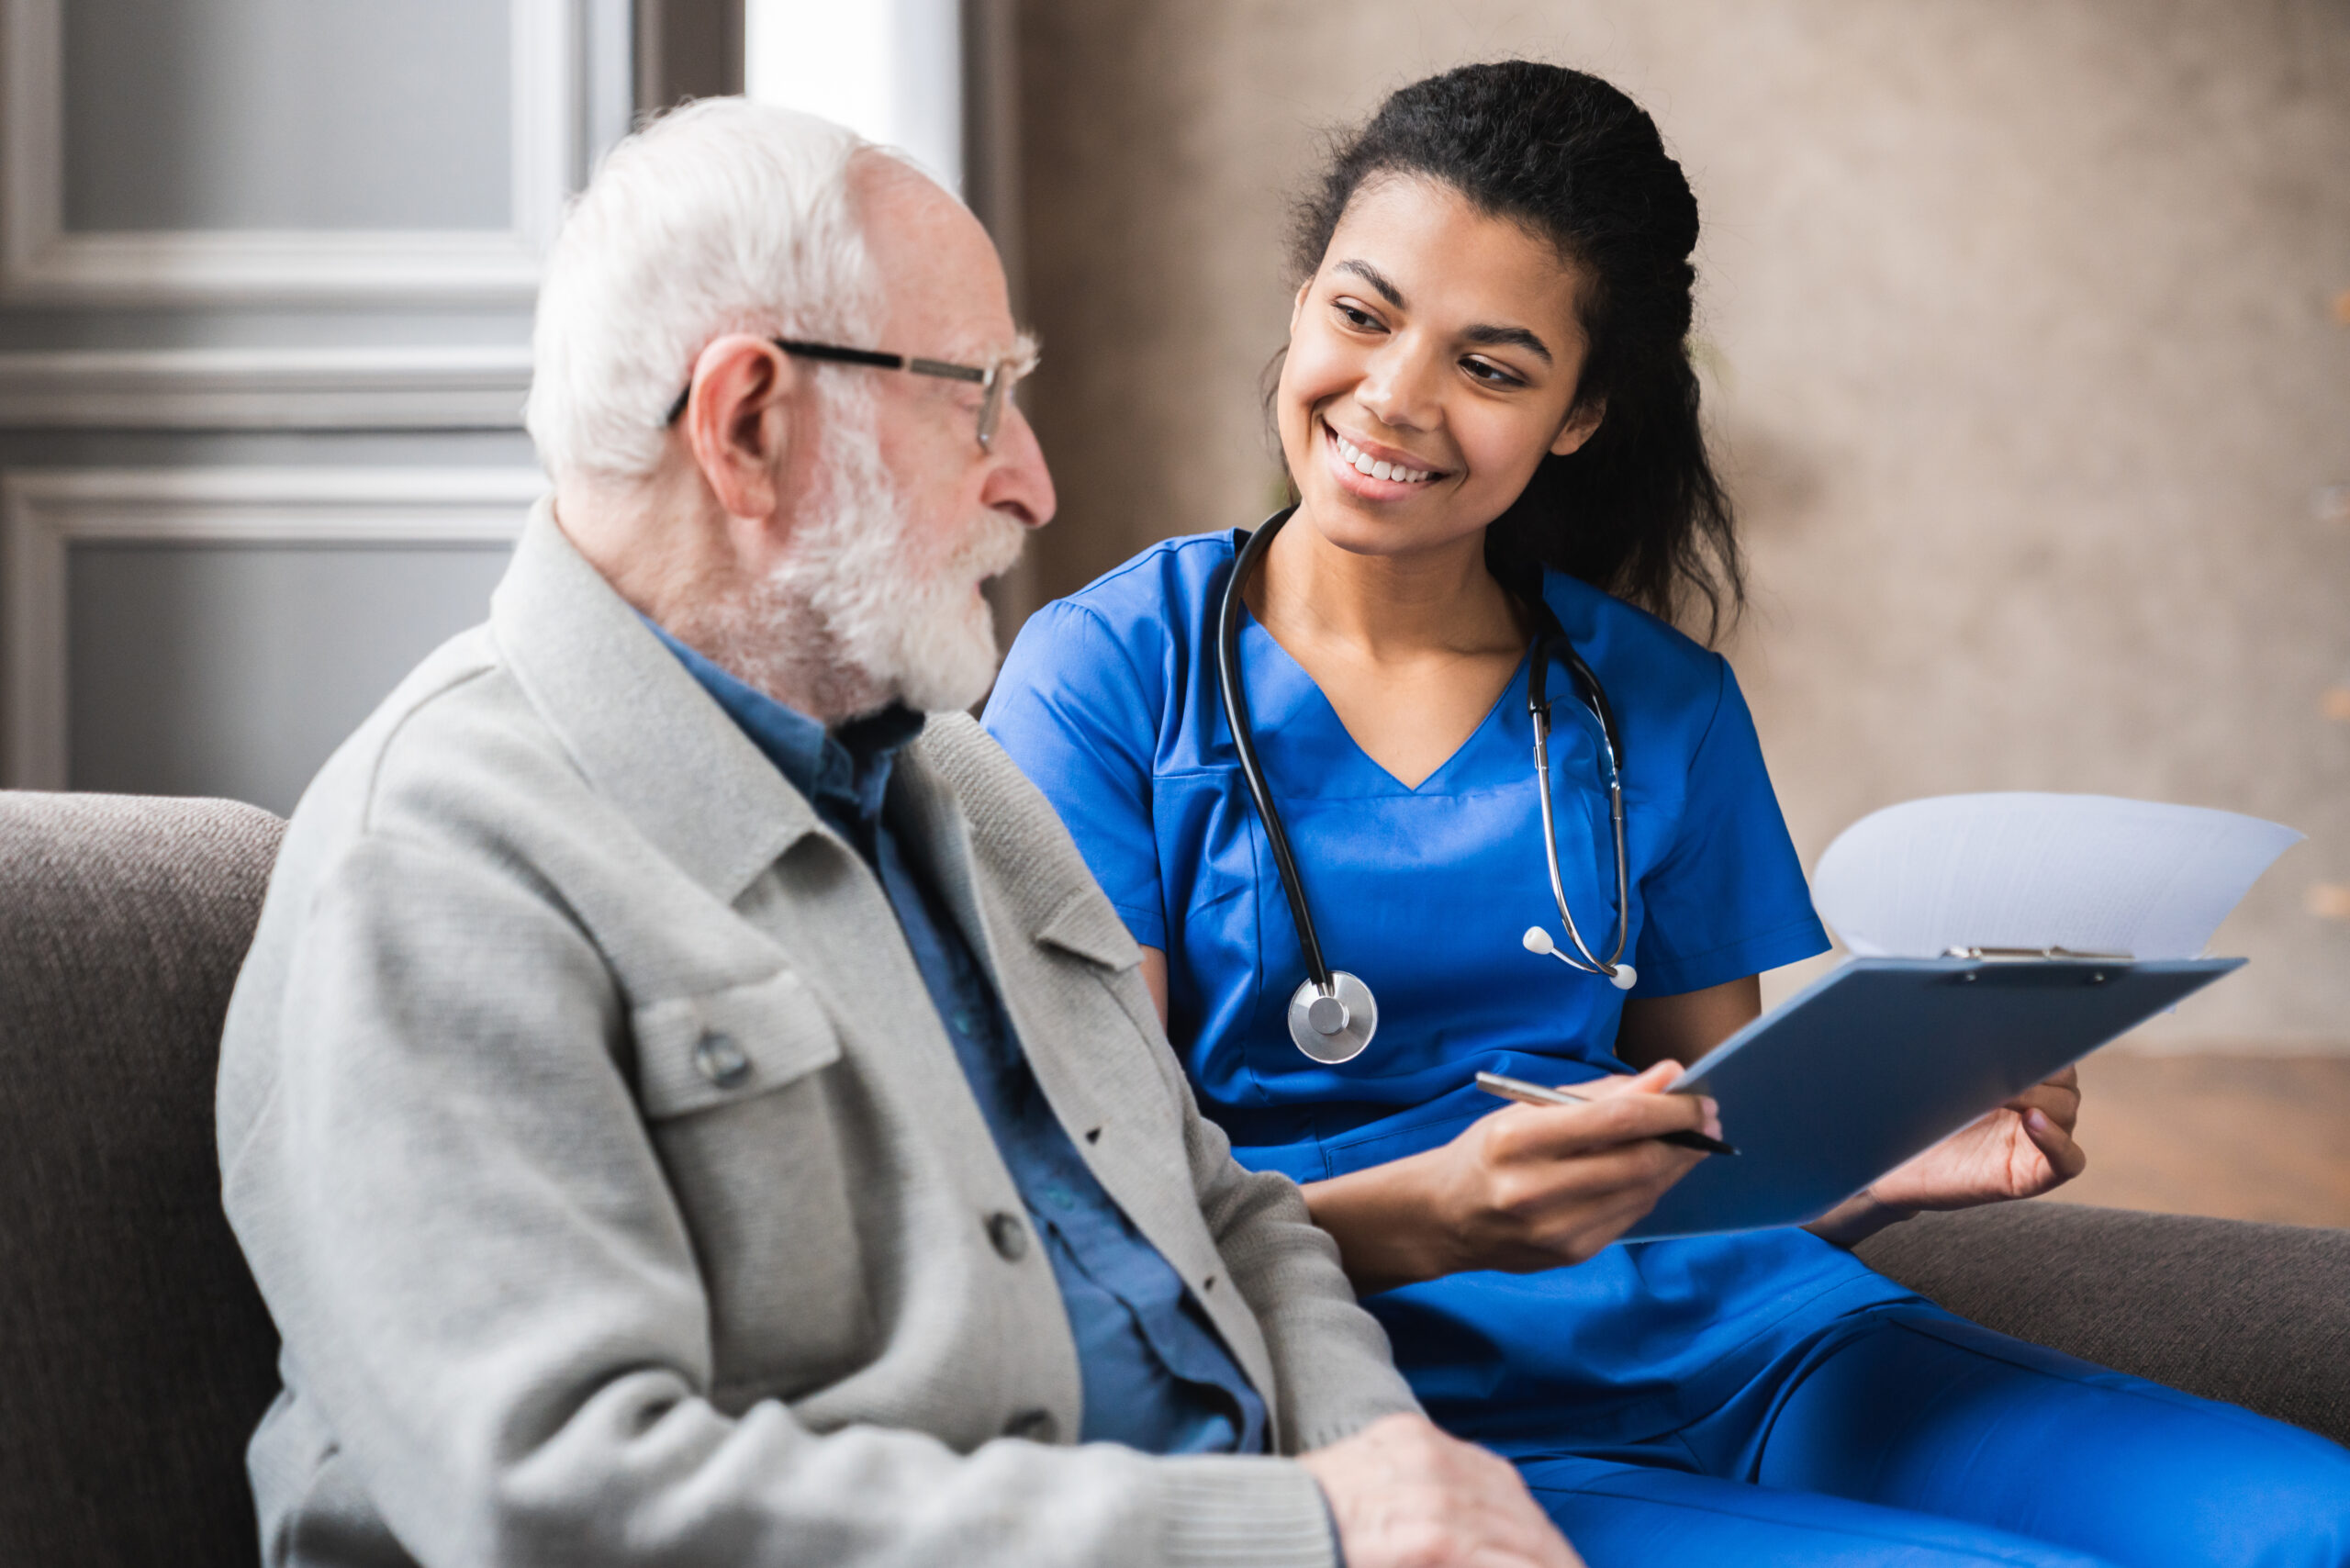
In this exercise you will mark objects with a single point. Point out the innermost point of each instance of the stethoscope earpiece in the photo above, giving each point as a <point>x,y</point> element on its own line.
<point>1332,1016</point>
<point>1623,977</point>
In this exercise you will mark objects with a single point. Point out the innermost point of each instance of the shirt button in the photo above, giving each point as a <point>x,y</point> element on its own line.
<point>964,1021</point>
<point>720,1060</point>
<point>1033,1425</point>
<point>1009,1237</point>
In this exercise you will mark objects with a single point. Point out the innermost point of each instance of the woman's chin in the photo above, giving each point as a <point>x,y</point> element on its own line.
<point>1377,528</point>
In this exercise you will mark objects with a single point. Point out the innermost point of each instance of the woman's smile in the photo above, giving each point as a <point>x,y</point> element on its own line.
<point>1373,472</point>
<point>1434,358</point>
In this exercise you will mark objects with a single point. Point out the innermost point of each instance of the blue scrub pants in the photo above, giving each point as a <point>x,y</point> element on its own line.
<point>1905,1434</point>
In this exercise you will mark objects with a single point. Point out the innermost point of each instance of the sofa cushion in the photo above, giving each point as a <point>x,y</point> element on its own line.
<point>136,1352</point>
<point>2256,1314</point>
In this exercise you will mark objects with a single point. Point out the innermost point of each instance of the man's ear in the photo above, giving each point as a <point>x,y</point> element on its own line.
<point>740,423</point>
<point>1583,423</point>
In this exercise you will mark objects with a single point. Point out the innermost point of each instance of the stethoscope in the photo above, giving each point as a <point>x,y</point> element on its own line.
<point>1332,1014</point>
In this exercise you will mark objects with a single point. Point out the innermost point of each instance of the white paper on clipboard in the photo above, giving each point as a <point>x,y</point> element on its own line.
<point>2091,873</point>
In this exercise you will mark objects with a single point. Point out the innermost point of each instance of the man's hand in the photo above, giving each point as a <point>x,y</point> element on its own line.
<point>1405,1496</point>
<point>2020,1150</point>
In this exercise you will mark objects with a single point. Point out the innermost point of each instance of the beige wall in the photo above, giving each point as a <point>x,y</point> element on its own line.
<point>2025,362</point>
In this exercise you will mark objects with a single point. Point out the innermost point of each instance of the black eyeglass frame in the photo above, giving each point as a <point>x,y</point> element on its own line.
<point>995,381</point>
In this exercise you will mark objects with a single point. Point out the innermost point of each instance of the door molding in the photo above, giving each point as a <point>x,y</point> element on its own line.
<point>44,512</point>
<point>390,387</point>
<point>40,262</point>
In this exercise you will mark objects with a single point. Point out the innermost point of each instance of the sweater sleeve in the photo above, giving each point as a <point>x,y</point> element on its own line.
<point>1332,1363</point>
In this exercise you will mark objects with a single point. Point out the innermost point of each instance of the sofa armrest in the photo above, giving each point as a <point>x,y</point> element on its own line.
<point>2256,1314</point>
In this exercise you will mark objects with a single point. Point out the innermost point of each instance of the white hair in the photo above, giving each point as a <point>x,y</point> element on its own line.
<point>724,216</point>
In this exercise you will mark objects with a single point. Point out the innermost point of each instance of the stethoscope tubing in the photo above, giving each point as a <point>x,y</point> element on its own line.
<point>1551,842</point>
<point>1550,639</point>
<point>1244,741</point>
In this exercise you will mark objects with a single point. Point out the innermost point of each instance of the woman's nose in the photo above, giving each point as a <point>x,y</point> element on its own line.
<point>1399,389</point>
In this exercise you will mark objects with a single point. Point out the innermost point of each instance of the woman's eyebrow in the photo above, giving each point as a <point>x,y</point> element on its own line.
<point>1495,337</point>
<point>1377,279</point>
<point>1517,337</point>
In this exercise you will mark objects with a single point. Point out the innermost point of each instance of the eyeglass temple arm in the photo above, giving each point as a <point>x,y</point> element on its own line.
<point>878,358</point>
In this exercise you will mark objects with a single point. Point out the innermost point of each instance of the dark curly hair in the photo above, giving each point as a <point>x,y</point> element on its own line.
<point>1638,511</point>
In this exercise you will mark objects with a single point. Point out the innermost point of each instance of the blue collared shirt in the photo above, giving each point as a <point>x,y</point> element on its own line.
<point>1156,1374</point>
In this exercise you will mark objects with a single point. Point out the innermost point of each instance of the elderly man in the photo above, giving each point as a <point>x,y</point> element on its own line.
<point>683,1106</point>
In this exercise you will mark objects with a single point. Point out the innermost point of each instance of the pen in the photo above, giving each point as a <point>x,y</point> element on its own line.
<point>1535,1094</point>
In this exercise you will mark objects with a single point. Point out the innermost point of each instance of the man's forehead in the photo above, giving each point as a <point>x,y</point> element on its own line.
<point>938,271</point>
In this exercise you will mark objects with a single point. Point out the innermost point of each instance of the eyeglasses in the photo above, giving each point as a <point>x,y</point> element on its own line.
<point>995,379</point>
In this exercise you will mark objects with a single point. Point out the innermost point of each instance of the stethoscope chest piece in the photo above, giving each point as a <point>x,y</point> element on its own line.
<point>1335,1025</point>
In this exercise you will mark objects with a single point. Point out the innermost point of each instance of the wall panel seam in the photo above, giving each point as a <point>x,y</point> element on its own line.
<point>43,513</point>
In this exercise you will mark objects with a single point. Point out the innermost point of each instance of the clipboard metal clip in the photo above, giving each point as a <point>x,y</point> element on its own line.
<point>2029,955</point>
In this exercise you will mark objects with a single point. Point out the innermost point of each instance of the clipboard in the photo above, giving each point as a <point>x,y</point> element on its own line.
<point>1883,1057</point>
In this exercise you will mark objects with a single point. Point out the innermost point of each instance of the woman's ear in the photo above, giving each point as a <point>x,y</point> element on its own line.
<point>1297,306</point>
<point>740,423</point>
<point>1583,423</point>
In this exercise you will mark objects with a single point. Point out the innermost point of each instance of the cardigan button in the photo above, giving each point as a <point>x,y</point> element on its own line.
<point>1011,1240</point>
<point>1033,1425</point>
<point>720,1060</point>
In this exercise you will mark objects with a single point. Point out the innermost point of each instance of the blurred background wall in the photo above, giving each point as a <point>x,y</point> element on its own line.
<point>2026,339</point>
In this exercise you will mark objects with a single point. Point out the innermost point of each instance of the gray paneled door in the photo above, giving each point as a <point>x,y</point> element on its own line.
<point>266,269</point>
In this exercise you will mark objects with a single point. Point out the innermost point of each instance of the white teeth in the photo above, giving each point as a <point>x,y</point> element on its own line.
<point>1363,463</point>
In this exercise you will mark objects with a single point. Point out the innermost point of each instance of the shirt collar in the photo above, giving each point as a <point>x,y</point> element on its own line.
<point>847,768</point>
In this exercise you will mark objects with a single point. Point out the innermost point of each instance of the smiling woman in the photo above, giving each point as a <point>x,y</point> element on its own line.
<point>1420,393</point>
<point>1488,416</point>
<point>1630,503</point>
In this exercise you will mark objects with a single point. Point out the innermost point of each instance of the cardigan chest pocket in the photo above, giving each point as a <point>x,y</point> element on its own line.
<point>747,1124</point>
<point>719,1047</point>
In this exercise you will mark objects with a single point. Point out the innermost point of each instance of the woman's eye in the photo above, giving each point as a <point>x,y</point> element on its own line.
<point>1491,374</point>
<point>1362,320</point>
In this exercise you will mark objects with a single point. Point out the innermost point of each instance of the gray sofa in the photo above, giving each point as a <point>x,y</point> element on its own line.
<point>137,1355</point>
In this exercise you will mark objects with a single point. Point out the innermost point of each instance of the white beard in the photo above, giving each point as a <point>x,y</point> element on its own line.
<point>855,617</point>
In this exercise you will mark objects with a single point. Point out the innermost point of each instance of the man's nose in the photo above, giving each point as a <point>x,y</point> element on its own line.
<point>1018,483</point>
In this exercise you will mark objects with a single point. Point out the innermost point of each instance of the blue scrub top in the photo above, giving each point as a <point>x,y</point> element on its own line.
<point>1108,701</point>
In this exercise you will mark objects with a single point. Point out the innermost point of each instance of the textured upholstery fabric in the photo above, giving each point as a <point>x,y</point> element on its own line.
<point>135,1352</point>
<point>2257,1314</point>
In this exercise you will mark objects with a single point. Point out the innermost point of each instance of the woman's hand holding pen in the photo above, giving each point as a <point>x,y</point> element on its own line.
<point>2020,1150</point>
<point>1529,1187</point>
